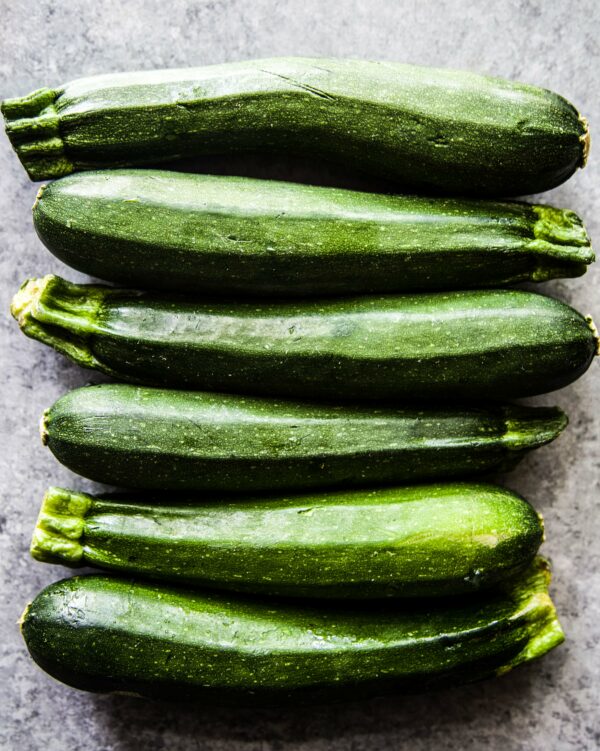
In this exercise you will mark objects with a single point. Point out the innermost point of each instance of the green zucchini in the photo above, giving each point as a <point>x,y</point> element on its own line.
<point>432,129</point>
<point>151,438</point>
<point>231,235</point>
<point>100,633</point>
<point>493,344</point>
<point>416,541</point>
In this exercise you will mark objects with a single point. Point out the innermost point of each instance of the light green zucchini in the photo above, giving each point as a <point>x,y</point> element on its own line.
<point>419,541</point>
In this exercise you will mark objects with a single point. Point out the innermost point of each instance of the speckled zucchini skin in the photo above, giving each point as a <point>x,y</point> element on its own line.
<point>104,634</point>
<point>416,541</point>
<point>231,235</point>
<point>494,344</point>
<point>428,128</point>
<point>151,438</point>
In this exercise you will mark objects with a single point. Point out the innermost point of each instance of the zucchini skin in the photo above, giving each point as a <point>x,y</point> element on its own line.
<point>429,128</point>
<point>104,634</point>
<point>231,235</point>
<point>175,440</point>
<point>493,344</point>
<point>426,540</point>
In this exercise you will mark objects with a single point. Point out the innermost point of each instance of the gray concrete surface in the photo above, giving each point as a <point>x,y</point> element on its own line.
<point>549,705</point>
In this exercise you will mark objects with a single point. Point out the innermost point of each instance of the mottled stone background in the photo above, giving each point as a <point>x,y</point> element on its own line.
<point>549,705</point>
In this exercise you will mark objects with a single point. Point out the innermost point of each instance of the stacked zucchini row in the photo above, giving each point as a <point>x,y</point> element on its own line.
<point>312,380</point>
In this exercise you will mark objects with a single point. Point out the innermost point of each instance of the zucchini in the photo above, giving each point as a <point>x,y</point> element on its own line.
<point>141,437</point>
<point>432,129</point>
<point>231,235</point>
<point>392,542</point>
<point>103,634</point>
<point>493,344</point>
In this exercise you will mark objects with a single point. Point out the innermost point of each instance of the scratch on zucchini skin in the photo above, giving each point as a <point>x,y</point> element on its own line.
<point>303,86</point>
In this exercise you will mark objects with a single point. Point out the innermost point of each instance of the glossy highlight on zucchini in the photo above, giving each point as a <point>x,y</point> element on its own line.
<point>416,541</point>
<point>103,634</point>
<point>232,235</point>
<point>494,344</point>
<point>132,436</point>
<point>432,129</point>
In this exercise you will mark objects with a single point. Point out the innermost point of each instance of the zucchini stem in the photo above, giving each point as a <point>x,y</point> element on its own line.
<point>560,245</point>
<point>60,526</point>
<point>594,330</point>
<point>61,315</point>
<point>44,427</point>
<point>586,140</point>
<point>560,228</point>
<point>540,614</point>
<point>33,128</point>
<point>23,616</point>
<point>38,195</point>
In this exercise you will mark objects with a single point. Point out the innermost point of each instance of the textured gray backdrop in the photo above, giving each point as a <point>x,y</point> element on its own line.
<point>549,705</point>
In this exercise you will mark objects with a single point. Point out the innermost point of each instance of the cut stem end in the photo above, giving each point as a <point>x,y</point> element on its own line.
<point>62,315</point>
<point>585,140</point>
<point>594,330</point>
<point>60,527</point>
<point>33,128</point>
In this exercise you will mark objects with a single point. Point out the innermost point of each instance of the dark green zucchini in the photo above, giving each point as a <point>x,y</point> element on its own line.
<point>231,235</point>
<point>416,541</point>
<point>433,129</point>
<point>100,633</point>
<point>495,344</point>
<point>152,438</point>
